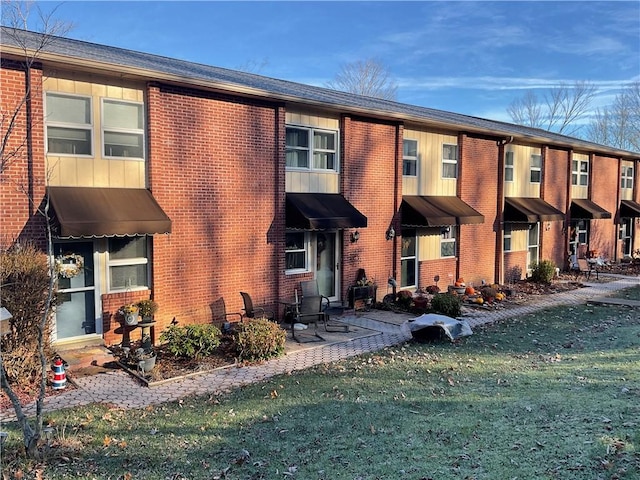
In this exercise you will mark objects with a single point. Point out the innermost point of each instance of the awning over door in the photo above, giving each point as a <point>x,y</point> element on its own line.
<point>530,210</point>
<point>629,208</point>
<point>107,212</point>
<point>436,211</point>
<point>322,211</point>
<point>581,208</point>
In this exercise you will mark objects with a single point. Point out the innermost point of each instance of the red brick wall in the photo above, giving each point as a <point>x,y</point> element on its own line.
<point>113,328</point>
<point>445,268</point>
<point>605,185</point>
<point>371,175</point>
<point>555,188</point>
<point>478,187</point>
<point>515,259</point>
<point>22,181</point>
<point>216,168</point>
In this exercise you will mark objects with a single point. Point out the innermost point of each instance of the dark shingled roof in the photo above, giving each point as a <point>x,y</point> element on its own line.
<point>170,69</point>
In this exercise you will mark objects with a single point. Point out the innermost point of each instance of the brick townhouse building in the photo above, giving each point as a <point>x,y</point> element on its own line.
<point>189,183</point>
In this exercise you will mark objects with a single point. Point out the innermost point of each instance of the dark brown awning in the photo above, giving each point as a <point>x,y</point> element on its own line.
<point>581,208</point>
<point>629,209</point>
<point>436,211</point>
<point>322,211</point>
<point>107,212</point>
<point>530,210</point>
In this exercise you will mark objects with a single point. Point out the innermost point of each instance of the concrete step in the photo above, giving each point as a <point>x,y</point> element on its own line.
<point>83,357</point>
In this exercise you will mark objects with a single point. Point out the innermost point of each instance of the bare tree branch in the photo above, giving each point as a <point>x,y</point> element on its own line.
<point>365,77</point>
<point>560,109</point>
<point>618,125</point>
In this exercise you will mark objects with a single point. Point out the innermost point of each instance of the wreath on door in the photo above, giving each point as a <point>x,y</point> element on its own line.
<point>69,265</point>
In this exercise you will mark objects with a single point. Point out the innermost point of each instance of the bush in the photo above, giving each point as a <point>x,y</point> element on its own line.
<point>192,341</point>
<point>24,275</point>
<point>447,304</point>
<point>259,339</point>
<point>404,299</point>
<point>543,272</point>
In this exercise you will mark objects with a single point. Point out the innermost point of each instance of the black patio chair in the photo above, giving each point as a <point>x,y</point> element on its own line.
<point>255,311</point>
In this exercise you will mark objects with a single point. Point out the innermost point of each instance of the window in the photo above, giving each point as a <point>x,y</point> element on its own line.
<point>448,242</point>
<point>627,177</point>
<point>536,168</point>
<point>69,128</point>
<point>532,244</point>
<point>508,167</point>
<point>303,144</point>
<point>449,161</point>
<point>128,263</point>
<point>409,158</point>
<point>122,129</point>
<point>580,173</point>
<point>296,251</point>
<point>408,259</point>
<point>506,237</point>
<point>626,236</point>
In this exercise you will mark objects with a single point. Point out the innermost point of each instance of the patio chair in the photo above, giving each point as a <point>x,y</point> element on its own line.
<point>309,312</point>
<point>310,288</point>
<point>220,316</point>
<point>255,311</point>
<point>584,268</point>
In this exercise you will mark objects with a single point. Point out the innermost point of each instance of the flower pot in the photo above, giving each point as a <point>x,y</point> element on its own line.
<point>147,364</point>
<point>131,318</point>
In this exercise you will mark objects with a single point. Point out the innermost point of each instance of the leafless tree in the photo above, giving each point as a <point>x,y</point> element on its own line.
<point>16,126</point>
<point>618,125</point>
<point>365,77</point>
<point>253,66</point>
<point>559,109</point>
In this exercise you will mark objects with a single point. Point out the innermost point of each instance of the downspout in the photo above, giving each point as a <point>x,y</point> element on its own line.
<point>617,221</point>
<point>499,227</point>
<point>567,215</point>
<point>396,177</point>
<point>29,120</point>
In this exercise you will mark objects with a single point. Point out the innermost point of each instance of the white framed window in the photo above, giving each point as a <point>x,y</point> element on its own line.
<point>536,168</point>
<point>506,237</point>
<point>296,252</point>
<point>69,125</point>
<point>448,242</point>
<point>128,263</point>
<point>410,158</point>
<point>626,180</point>
<point>408,259</point>
<point>533,248</point>
<point>580,173</point>
<point>311,148</point>
<point>449,161</point>
<point>122,129</point>
<point>626,236</point>
<point>508,166</point>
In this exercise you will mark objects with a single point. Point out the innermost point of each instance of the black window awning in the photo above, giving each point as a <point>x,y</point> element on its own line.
<point>530,210</point>
<point>629,209</point>
<point>322,211</point>
<point>84,212</point>
<point>437,211</point>
<point>581,208</point>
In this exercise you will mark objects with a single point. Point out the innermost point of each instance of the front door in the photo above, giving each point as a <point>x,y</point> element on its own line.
<point>76,315</point>
<point>327,260</point>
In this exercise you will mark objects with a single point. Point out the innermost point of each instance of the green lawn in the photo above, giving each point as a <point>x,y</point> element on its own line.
<point>555,395</point>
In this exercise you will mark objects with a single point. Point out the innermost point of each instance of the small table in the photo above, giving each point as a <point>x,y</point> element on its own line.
<point>290,307</point>
<point>145,339</point>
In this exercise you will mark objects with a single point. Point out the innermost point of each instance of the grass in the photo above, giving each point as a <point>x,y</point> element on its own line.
<point>552,395</point>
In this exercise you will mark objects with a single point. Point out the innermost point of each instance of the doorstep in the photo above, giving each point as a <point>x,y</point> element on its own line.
<point>77,357</point>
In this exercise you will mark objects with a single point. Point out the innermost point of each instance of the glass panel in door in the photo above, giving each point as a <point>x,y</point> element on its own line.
<point>76,309</point>
<point>326,264</point>
<point>532,250</point>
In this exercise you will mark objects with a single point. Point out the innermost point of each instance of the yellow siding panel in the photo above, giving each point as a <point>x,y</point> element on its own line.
<point>409,186</point>
<point>626,193</point>
<point>579,191</point>
<point>430,181</point>
<point>312,120</point>
<point>521,185</point>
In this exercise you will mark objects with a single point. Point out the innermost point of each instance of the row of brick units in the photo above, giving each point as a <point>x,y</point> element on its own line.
<point>216,166</point>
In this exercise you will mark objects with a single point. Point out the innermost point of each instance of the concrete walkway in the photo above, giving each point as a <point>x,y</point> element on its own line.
<point>120,389</point>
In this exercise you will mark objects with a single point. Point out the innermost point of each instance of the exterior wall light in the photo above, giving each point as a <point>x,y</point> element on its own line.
<point>355,236</point>
<point>391,233</point>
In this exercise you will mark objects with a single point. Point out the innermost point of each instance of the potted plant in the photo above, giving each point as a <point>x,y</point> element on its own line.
<point>140,359</point>
<point>130,313</point>
<point>146,309</point>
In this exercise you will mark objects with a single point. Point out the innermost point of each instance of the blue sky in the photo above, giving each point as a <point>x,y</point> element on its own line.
<point>465,57</point>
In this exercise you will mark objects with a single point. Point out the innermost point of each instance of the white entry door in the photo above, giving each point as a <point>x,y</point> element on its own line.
<point>327,264</point>
<point>76,316</point>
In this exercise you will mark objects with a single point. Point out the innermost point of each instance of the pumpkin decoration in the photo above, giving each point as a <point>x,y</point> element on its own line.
<point>459,282</point>
<point>478,300</point>
<point>470,290</point>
